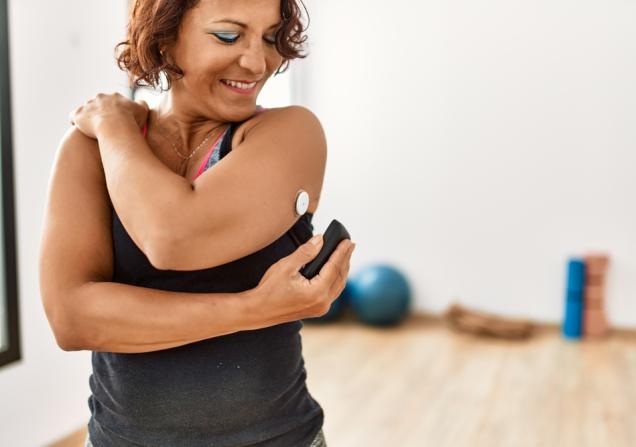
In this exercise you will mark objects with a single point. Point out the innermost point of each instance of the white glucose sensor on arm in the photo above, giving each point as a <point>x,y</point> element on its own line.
<point>302,202</point>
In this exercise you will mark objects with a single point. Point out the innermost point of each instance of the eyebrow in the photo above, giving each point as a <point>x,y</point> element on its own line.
<point>241,24</point>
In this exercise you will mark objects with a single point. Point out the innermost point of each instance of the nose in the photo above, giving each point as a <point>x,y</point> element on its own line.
<point>253,59</point>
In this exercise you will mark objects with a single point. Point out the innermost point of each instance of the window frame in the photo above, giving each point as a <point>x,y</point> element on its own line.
<point>10,326</point>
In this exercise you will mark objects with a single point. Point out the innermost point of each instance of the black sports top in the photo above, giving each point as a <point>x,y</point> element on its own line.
<point>241,389</point>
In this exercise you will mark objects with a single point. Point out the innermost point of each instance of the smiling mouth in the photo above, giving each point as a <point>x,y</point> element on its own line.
<point>240,88</point>
<point>247,86</point>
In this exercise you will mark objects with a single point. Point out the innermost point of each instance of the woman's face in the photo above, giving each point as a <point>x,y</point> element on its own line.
<point>211,50</point>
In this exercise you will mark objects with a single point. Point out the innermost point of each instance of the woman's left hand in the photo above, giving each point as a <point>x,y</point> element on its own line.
<point>104,107</point>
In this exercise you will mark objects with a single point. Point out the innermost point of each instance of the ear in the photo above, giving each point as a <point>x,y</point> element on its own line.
<point>164,52</point>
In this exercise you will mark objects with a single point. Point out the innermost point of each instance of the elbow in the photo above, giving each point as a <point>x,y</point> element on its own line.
<point>164,242</point>
<point>176,254</point>
<point>54,312</point>
<point>68,344</point>
<point>159,252</point>
<point>65,337</point>
<point>69,335</point>
<point>77,337</point>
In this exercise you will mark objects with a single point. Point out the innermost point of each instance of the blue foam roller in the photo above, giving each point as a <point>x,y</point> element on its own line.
<point>572,327</point>
<point>573,319</point>
<point>576,274</point>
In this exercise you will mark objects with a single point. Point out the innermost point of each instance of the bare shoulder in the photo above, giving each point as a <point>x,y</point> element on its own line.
<point>78,156</point>
<point>76,244</point>
<point>74,135</point>
<point>75,147</point>
<point>297,132</point>
<point>294,120</point>
<point>288,112</point>
<point>78,162</point>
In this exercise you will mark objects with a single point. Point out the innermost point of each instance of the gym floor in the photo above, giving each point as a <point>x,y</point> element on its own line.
<point>421,384</point>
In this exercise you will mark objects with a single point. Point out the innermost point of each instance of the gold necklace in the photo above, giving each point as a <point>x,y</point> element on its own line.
<point>175,147</point>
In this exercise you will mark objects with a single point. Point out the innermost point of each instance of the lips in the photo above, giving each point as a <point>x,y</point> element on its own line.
<point>242,91</point>
<point>241,80</point>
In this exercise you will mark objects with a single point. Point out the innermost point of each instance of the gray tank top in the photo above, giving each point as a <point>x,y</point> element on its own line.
<point>242,389</point>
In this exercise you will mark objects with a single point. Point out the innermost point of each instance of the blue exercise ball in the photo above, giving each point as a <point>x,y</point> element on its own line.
<point>337,306</point>
<point>380,295</point>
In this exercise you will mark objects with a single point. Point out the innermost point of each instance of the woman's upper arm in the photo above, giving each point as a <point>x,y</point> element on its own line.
<point>76,244</point>
<point>247,200</point>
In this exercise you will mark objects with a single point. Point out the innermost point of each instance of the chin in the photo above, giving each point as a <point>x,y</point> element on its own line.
<point>240,113</point>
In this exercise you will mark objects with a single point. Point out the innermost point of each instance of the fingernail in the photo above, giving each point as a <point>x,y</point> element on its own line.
<point>316,239</point>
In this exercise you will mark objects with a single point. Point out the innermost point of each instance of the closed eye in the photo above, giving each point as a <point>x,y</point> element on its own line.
<point>233,37</point>
<point>226,37</point>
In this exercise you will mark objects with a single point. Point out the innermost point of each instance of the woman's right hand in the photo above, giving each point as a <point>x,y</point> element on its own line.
<point>286,295</point>
<point>104,107</point>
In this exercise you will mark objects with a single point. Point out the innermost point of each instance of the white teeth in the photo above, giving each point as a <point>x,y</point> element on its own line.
<point>240,85</point>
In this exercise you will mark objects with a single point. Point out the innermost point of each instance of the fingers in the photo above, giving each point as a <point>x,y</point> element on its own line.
<point>340,282</point>
<point>73,113</point>
<point>331,269</point>
<point>347,264</point>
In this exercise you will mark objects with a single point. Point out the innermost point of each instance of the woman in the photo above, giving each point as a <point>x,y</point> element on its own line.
<point>183,280</point>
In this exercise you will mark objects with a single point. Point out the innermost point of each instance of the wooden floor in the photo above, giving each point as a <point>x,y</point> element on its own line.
<point>422,385</point>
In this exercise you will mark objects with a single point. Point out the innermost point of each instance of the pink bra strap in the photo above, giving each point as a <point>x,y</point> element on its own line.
<point>210,152</point>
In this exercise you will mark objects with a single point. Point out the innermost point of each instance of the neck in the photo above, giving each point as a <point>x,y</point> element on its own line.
<point>185,127</point>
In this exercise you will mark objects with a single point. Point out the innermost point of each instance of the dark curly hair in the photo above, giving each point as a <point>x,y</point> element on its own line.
<point>154,24</point>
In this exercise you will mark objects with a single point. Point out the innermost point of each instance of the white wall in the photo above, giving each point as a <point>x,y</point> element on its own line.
<point>61,55</point>
<point>477,145</point>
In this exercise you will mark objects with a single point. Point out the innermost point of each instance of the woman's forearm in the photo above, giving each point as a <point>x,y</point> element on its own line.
<point>144,191</point>
<point>115,317</point>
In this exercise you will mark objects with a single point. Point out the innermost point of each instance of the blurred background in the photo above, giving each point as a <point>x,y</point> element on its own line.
<point>474,147</point>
